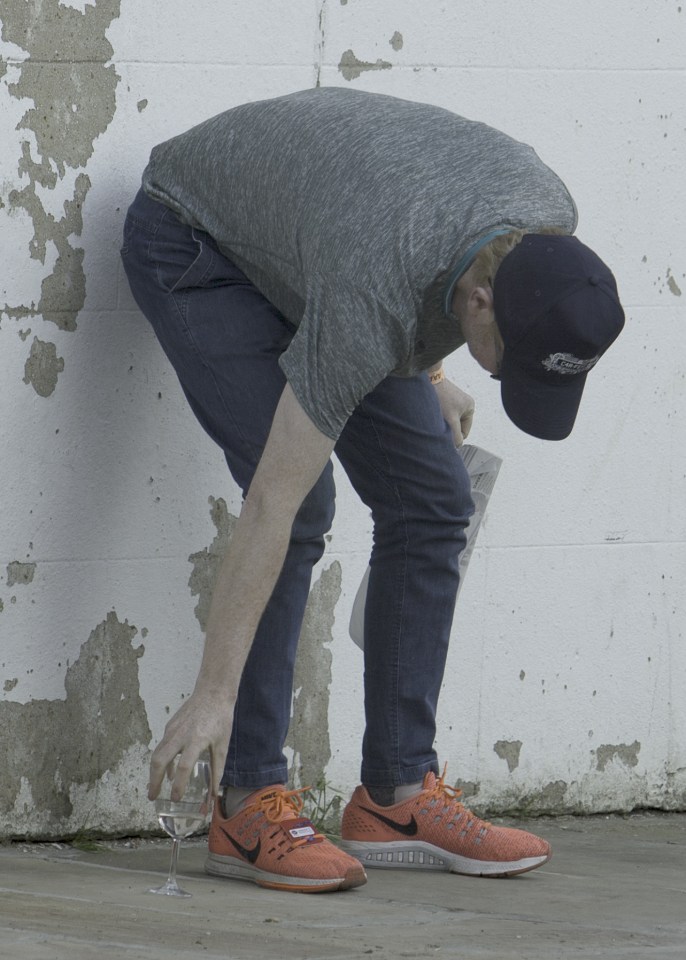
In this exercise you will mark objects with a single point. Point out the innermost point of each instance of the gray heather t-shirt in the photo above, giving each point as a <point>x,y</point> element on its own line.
<point>348,210</point>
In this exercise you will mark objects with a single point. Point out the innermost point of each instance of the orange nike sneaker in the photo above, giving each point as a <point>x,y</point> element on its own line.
<point>434,831</point>
<point>269,842</point>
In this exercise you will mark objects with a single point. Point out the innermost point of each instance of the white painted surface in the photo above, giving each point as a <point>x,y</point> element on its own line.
<point>569,637</point>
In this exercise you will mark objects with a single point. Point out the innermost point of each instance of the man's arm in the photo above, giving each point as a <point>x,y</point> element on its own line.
<point>293,459</point>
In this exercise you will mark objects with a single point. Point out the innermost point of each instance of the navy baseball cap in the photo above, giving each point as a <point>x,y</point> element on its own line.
<point>558,310</point>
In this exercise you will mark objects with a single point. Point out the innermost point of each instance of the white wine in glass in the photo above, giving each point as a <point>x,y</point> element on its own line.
<point>180,818</point>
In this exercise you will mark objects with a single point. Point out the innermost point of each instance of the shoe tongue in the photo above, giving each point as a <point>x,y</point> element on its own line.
<point>271,792</point>
<point>267,793</point>
<point>279,810</point>
<point>265,797</point>
<point>429,781</point>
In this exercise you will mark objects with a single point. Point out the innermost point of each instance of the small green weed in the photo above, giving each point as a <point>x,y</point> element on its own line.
<point>85,845</point>
<point>323,807</point>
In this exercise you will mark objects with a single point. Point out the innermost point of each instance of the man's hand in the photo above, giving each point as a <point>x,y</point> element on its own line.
<point>203,723</point>
<point>457,408</point>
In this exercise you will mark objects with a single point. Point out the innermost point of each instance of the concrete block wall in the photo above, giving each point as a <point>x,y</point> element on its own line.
<point>566,686</point>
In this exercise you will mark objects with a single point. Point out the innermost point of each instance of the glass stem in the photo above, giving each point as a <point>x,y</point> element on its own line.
<point>174,860</point>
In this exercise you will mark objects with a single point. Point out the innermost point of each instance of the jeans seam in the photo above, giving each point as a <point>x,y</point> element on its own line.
<point>396,651</point>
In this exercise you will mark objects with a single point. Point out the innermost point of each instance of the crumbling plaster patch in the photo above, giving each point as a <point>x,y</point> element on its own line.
<point>509,751</point>
<point>18,572</point>
<point>206,562</point>
<point>468,788</point>
<point>351,68</point>
<point>308,735</point>
<point>65,74</point>
<point>548,799</point>
<point>58,746</point>
<point>626,753</point>
<point>43,367</point>
<point>66,77</point>
<point>672,284</point>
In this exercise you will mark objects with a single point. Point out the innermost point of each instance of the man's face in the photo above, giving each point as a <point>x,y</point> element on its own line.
<point>473,306</point>
<point>484,343</point>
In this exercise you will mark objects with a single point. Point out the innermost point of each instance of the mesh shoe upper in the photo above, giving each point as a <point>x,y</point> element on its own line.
<point>436,816</point>
<point>270,838</point>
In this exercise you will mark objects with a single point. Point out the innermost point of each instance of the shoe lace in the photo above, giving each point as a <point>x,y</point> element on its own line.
<point>450,795</point>
<point>285,805</point>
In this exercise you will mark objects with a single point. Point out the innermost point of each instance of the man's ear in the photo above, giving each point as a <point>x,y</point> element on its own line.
<point>481,304</point>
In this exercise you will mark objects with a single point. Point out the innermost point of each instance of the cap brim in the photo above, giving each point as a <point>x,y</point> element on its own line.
<point>544,410</point>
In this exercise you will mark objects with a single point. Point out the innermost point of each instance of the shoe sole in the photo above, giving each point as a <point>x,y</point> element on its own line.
<point>231,868</point>
<point>418,855</point>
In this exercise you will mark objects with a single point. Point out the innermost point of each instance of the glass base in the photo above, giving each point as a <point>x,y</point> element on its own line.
<point>170,889</point>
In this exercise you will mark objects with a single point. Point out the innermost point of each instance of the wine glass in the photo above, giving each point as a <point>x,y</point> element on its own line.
<point>180,818</point>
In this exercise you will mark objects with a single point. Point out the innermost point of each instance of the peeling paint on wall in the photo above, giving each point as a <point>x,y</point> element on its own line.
<point>468,788</point>
<point>320,42</point>
<point>509,750</point>
<point>308,735</point>
<point>20,572</point>
<point>672,284</point>
<point>73,94</point>
<point>206,563</point>
<point>52,746</point>
<point>352,68</point>
<point>43,367</point>
<point>551,797</point>
<point>19,313</point>
<point>667,282</point>
<point>626,753</point>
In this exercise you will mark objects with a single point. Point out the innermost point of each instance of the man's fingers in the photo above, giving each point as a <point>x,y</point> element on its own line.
<point>184,768</point>
<point>466,422</point>
<point>155,779</point>
<point>457,408</point>
<point>163,760</point>
<point>161,763</point>
<point>186,762</point>
<point>217,760</point>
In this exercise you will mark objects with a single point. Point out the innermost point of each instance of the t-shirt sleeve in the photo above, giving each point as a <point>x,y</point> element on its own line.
<point>346,343</point>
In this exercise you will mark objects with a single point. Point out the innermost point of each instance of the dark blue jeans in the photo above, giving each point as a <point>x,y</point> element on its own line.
<point>224,340</point>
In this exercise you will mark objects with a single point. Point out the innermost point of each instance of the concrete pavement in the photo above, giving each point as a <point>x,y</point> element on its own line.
<point>616,888</point>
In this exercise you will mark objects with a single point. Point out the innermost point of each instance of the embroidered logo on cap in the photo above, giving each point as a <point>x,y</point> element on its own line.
<point>568,363</point>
